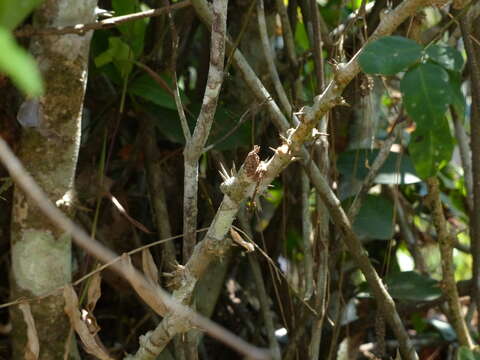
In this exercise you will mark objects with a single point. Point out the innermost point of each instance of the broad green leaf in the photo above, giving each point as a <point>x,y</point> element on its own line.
<point>410,285</point>
<point>378,210</point>
<point>446,56</point>
<point>119,53</point>
<point>426,93</point>
<point>13,12</point>
<point>389,55</point>
<point>397,169</point>
<point>19,65</point>
<point>431,147</point>
<point>145,87</point>
<point>133,31</point>
<point>301,38</point>
<point>465,353</point>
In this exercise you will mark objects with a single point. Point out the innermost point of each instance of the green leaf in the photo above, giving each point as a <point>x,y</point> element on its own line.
<point>301,38</point>
<point>446,56</point>
<point>380,209</point>
<point>133,31</point>
<point>458,98</point>
<point>145,87</point>
<point>19,65</point>
<point>119,53</point>
<point>13,12</point>
<point>389,55</point>
<point>426,93</point>
<point>410,285</point>
<point>397,169</point>
<point>465,353</point>
<point>431,147</point>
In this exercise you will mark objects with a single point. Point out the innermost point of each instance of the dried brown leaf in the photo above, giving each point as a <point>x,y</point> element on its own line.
<point>32,349</point>
<point>90,341</point>
<point>238,239</point>
<point>94,291</point>
<point>149,267</point>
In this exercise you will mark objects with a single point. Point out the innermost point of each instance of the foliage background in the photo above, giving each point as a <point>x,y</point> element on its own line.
<point>414,85</point>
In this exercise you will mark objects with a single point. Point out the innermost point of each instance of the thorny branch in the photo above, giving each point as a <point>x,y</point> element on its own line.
<point>285,153</point>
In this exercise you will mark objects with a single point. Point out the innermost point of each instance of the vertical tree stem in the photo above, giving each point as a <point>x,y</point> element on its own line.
<point>473,63</point>
<point>445,242</point>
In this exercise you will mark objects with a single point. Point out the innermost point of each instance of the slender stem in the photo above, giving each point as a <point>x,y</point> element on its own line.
<point>445,242</point>
<point>307,234</point>
<point>465,155</point>
<point>157,196</point>
<point>195,146</point>
<point>268,52</point>
<point>473,63</point>
<point>81,29</point>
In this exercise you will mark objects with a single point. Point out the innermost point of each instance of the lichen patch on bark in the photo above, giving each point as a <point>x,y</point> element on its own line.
<point>40,262</point>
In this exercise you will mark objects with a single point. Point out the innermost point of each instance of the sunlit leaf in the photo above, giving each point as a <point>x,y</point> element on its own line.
<point>389,55</point>
<point>119,53</point>
<point>465,353</point>
<point>19,65</point>
<point>133,31</point>
<point>301,37</point>
<point>13,12</point>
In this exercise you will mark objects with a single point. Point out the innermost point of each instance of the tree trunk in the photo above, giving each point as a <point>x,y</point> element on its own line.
<point>41,254</point>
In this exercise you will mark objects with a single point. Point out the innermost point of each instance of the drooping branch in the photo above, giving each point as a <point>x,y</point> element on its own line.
<point>159,300</point>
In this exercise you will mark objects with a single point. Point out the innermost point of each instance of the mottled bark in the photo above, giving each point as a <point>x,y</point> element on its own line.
<point>41,254</point>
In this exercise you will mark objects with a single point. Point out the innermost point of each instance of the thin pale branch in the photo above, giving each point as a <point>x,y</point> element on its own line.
<point>307,234</point>
<point>195,146</point>
<point>81,29</point>
<point>268,53</point>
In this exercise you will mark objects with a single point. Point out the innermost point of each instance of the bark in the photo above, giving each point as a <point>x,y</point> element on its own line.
<point>473,63</point>
<point>41,253</point>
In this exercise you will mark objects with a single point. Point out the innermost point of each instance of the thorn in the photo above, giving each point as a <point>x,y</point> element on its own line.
<point>223,172</point>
